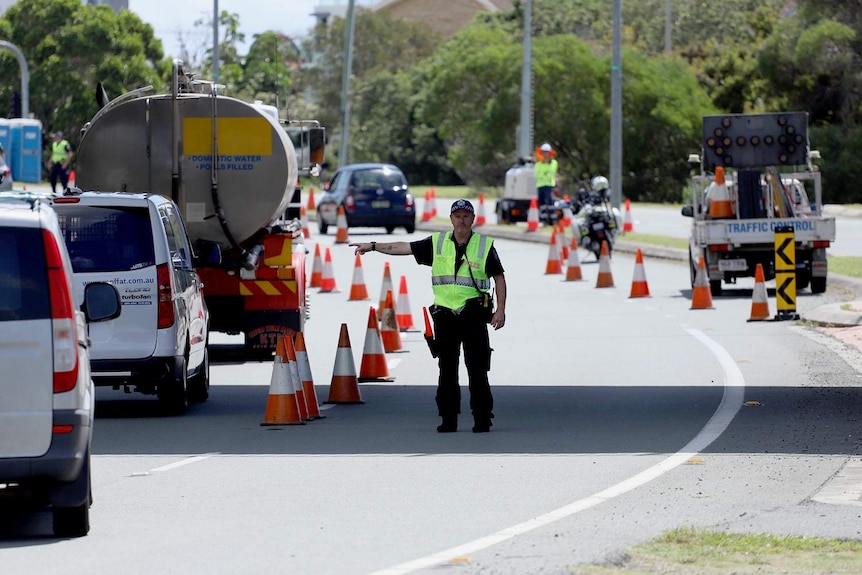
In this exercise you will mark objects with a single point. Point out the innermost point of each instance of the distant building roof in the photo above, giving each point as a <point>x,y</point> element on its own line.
<point>444,16</point>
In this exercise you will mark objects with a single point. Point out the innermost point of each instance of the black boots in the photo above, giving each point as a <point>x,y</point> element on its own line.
<point>482,423</point>
<point>449,425</point>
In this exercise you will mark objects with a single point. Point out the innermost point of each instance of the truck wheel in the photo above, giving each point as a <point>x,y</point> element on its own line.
<point>818,285</point>
<point>74,521</point>
<point>715,287</point>
<point>502,216</point>
<point>692,270</point>
<point>323,227</point>
<point>802,281</point>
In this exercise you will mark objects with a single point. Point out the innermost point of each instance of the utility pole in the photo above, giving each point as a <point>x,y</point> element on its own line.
<point>667,27</point>
<point>347,71</point>
<point>616,152</point>
<point>525,133</point>
<point>25,76</point>
<point>215,42</point>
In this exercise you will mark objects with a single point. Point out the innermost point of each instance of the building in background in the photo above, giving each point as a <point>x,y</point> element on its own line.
<point>117,5</point>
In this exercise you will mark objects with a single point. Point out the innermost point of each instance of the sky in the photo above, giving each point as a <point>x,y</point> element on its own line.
<point>169,18</point>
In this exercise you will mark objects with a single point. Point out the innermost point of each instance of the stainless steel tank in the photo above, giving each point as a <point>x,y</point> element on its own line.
<point>128,147</point>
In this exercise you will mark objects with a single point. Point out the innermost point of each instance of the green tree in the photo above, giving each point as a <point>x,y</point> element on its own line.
<point>269,66</point>
<point>231,72</point>
<point>69,49</point>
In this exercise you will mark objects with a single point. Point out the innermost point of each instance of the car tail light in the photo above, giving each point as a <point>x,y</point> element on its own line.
<point>719,248</point>
<point>166,296</point>
<point>409,201</point>
<point>62,318</point>
<point>820,244</point>
<point>349,203</point>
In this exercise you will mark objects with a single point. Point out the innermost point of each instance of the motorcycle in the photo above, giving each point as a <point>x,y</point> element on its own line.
<point>596,220</point>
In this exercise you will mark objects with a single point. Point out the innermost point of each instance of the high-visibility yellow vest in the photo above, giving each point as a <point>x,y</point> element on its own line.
<point>58,151</point>
<point>546,174</point>
<point>452,290</point>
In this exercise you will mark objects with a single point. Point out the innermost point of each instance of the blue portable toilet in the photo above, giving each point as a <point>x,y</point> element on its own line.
<point>6,137</point>
<point>26,156</point>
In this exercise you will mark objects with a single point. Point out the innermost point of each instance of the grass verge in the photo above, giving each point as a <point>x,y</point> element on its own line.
<point>846,265</point>
<point>700,552</point>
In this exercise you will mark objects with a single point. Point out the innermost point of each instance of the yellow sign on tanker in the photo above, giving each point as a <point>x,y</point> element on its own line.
<point>236,136</point>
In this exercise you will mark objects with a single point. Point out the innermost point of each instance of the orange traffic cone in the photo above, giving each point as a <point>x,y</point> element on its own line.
<point>433,203</point>
<point>639,283</point>
<point>480,212</point>
<point>311,205</point>
<point>628,224</point>
<point>358,291</point>
<point>701,297</point>
<point>605,279</point>
<point>316,268</point>
<point>389,326</point>
<point>341,227</point>
<point>281,405</point>
<point>720,205</point>
<point>403,314</point>
<point>305,378</point>
<point>553,266</point>
<point>303,222</point>
<point>759,301</point>
<point>566,220</point>
<point>71,182</point>
<point>344,387</point>
<point>384,287</point>
<point>327,280</point>
<point>293,367</point>
<point>562,243</point>
<point>373,366</point>
<point>426,207</point>
<point>573,265</point>
<point>533,215</point>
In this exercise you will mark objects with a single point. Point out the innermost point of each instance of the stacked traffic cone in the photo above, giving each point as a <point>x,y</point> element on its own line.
<point>605,279</point>
<point>341,226</point>
<point>640,288</point>
<point>327,280</point>
<point>293,368</point>
<point>433,203</point>
<point>373,366</point>
<point>480,212</point>
<point>759,301</point>
<point>533,215</point>
<point>628,225</point>
<point>720,205</point>
<point>701,297</point>
<point>385,286</point>
<point>389,326</point>
<point>71,182</point>
<point>344,387</point>
<point>282,407</point>
<point>562,243</point>
<point>403,314</point>
<point>573,264</point>
<point>316,268</point>
<point>305,378</point>
<point>303,222</point>
<point>553,266</point>
<point>426,207</point>
<point>358,291</point>
<point>311,205</point>
<point>566,220</point>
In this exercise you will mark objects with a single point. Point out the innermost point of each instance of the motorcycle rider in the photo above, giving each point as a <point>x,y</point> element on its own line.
<point>546,178</point>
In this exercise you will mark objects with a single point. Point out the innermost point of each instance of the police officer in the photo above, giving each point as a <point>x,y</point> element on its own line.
<point>61,160</point>
<point>463,265</point>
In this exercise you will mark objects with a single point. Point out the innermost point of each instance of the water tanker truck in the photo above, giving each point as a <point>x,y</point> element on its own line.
<point>232,168</point>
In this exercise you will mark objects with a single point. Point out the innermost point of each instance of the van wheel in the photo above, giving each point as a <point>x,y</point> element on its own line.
<point>323,227</point>
<point>199,383</point>
<point>74,521</point>
<point>173,391</point>
<point>715,287</point>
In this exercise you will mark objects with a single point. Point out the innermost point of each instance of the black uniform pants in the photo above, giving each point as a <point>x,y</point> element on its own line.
<point>451,333</point>
<point>58,173</point>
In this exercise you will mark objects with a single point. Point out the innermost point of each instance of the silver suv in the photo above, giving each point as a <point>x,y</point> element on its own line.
<point>46,394</point>
<point>138,243</point>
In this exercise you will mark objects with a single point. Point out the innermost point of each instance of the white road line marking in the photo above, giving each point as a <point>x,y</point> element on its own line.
<point>182,462</point>
<point>731,402</point>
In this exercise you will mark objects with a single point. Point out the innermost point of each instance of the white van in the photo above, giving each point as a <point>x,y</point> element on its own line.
<point>138,243</point>
<point>46,393</point>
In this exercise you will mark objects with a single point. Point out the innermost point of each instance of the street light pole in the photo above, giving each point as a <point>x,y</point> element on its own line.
<point>347,71</point>
<point>215,42</point>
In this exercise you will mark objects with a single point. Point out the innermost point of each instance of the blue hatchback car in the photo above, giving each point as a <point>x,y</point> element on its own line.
<point>373,195</point>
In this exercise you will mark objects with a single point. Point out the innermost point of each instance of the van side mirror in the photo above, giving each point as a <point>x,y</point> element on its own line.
<point>688,211</point>
<point>208,254</point>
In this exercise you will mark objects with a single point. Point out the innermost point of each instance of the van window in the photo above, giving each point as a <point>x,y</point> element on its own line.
<point>177,241</point>
<point>102,239</point>
<point>23,277</point>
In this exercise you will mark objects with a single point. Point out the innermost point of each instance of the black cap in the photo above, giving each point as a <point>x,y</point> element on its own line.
<point>461,205</point>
